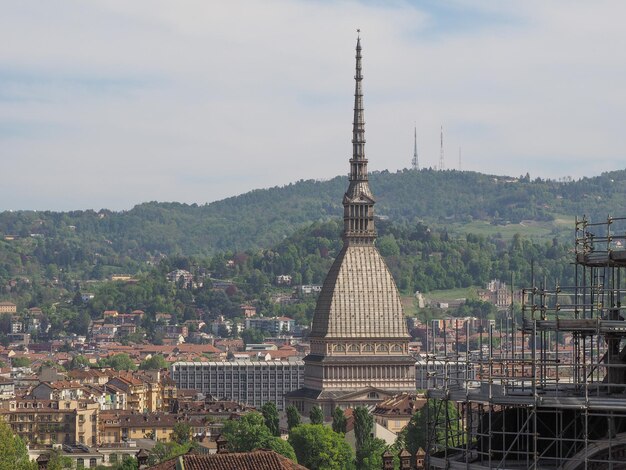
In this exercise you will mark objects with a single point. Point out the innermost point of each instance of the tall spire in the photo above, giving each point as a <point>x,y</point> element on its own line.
<point>358,167</point>
<point>415,162</point>
<point>358,202</point>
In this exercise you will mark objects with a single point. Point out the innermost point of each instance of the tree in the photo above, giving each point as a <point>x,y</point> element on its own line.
<point>282,447</point>
<point>156,362</point>
<point>222,331</point>
<point>13,451</point>
<point>363,424</point>
<point>120,361</point>
<point>339,421</point>
<point>77,301</point>
<point>167,450</point>
<point>415,434</point>
<point>320,448</point>
<point>78,362</point>
<point>293,417</point>
<point>270,414</point>
<point>81,324</point>
<point>129,463</point>
<point>59,461</point>
<point>372,454</point>
<point>182,433</point>
<point>20,362</point>
<point>316,415</point>
<point>5,323</point>
<point>388,246</point>
<point>250,432</point>
<point>252,336</point>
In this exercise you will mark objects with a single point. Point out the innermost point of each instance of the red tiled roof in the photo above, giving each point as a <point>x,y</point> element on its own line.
<point>282,353</point>
<point>197,348</point>
<point>255,460</point>
<point>404,404</point>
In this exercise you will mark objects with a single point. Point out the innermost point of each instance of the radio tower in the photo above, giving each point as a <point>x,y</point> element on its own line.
<point>459,158</point>
<point>441,164</point>
<point>415,163</point>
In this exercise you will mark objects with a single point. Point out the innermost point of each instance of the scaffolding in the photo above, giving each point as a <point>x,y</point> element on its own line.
<point>548,389</point>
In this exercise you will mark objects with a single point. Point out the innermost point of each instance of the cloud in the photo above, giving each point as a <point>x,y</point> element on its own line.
<point>111,103</point>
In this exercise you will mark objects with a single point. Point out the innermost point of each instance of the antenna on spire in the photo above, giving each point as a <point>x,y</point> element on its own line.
<point>441,163</point>
<point>415,162</point>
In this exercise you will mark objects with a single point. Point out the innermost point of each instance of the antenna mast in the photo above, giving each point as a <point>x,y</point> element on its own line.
<point>415,162</point>
<point>459,158</point>
<point>441,164</point>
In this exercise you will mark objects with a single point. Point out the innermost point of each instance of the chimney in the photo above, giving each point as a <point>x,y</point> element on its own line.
<point>42,461</point>
<point>387,460</point>
<point>222,444</point>
<point>142,458</point>
<point>405,460</point>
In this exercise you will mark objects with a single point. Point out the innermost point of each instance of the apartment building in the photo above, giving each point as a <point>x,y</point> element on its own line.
<point>273,325</point>
<point>251,382</point>
<point>118,426</point>
<point>47,422</point>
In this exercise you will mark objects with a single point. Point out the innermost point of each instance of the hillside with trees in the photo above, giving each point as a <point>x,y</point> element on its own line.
<point>261,218</point>
<point>294,230</point>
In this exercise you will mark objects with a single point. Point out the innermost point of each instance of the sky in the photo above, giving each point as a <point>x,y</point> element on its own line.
<point>108,104</point>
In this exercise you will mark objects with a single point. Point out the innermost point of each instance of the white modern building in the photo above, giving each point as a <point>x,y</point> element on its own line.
<point>250,382</point>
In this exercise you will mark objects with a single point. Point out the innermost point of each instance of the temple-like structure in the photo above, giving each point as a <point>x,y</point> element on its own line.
<point>359,340</point>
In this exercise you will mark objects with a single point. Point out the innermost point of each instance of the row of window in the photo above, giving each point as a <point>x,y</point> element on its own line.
<point>367,347</point>
<point>236,368</point>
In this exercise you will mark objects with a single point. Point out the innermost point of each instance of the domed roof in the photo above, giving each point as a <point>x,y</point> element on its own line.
<point>359,298</point>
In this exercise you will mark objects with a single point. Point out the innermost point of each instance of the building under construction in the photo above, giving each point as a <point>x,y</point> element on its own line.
<point>548,390</point>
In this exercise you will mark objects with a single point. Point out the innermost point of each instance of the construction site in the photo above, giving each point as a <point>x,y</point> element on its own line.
<point>547,390</point>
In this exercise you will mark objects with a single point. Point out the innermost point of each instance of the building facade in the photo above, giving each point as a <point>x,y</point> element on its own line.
<point>8,307</point>
<point>47,422</point>
<point>272,325</point>
<point>251,382</point>
<point>359,340</point>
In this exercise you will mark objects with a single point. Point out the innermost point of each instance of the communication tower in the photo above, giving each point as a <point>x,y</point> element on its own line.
<point>441,163</point>
<point>415,162</point>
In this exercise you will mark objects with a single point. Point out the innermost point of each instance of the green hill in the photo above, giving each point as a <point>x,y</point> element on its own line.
<point>82,241</point>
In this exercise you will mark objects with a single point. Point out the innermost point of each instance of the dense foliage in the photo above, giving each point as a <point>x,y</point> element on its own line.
<point>318,447</point>
<point>293,417</point>
<point>316,415</point>
<point>156,362</point>
<point>415,435</point>
<point>13,451</point>
<point>166,450</point>
<point>270,415</point>
<point>96,244</point>
<point>339,421</point>
<point>250,432</point>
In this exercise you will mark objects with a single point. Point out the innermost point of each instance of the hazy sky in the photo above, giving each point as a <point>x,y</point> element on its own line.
<point>113,103</point>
